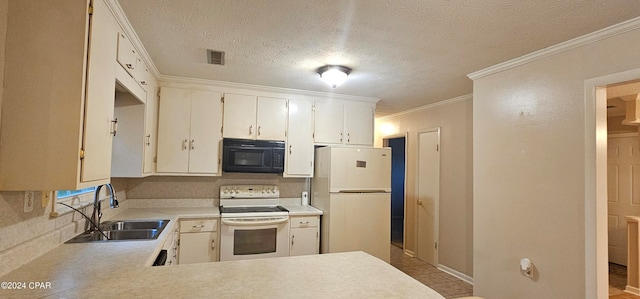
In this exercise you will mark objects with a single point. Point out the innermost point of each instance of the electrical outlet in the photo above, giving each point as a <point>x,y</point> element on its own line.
<point>28,201</point>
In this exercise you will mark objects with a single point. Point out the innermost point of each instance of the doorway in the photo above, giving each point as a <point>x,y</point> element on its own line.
<point>427,203</point>
<point>398,169</point>
<point>596,182</point>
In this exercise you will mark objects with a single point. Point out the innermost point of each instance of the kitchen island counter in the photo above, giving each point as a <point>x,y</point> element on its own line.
<point>337,275</point>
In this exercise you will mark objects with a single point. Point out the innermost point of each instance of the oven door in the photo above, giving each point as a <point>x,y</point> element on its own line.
<point>243,238</point>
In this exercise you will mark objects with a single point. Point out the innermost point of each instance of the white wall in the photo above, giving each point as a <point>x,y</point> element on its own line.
<point>529,170</point>
<point>454,117</point>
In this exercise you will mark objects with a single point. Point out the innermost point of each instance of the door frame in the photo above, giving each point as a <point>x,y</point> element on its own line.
<point>436,220</point>
<point>595,181</point>
<point>385,143</point>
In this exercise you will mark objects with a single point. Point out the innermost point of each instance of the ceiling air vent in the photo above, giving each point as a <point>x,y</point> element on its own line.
<point>215,57</point>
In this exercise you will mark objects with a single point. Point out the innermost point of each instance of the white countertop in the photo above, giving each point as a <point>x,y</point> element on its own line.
<point>118,270</point>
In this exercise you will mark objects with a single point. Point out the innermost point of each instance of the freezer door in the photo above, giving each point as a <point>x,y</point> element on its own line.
<point>360,170</point>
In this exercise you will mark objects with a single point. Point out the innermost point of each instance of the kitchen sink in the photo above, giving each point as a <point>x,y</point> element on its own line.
<point>125,225</point>
<point>123,230</point>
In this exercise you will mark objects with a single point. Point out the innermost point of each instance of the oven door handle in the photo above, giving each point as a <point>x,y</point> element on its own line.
<point>238,222</point>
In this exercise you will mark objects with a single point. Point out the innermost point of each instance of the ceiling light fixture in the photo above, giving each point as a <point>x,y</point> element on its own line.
<point>334,75</point>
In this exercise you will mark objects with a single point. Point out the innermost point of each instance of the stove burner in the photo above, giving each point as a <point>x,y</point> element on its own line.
<point>254,209</point>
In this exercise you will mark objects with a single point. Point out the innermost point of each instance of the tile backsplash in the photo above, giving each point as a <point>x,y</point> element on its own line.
<point>162,187</point>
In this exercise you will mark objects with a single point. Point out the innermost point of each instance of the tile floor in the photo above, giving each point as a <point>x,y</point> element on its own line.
<point>443,283</point>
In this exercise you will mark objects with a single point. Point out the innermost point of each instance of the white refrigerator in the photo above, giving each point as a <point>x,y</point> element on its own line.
<point>353,188</point>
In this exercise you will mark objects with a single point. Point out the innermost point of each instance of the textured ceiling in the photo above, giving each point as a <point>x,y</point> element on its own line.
<point>409,53</point>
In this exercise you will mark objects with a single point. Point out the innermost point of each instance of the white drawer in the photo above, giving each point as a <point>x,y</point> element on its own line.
<point>310,221</point>
<point>198,225</point>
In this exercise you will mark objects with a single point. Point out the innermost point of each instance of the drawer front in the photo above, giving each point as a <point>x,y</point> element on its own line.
<point>198,225</point>
<point>310,221</point>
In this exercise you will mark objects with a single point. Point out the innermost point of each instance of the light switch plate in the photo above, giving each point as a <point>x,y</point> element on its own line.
<point>28,201</point>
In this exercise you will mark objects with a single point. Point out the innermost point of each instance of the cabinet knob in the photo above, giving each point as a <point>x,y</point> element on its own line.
<point>129,66</point>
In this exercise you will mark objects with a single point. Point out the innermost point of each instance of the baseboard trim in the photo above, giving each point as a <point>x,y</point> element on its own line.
<point>409,253</point>
<point>632,290</point>
<point>464,277</point>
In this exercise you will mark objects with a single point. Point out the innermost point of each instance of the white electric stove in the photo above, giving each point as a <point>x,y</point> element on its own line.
<point>253,225</point>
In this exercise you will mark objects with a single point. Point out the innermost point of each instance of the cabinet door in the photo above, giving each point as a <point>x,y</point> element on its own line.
<point>299,161</point>
<point>127,56</point>
<point>358,123</point>
<point>304,241</point>
<point>197,248</point>
<point>328,122</point>
<point>239,116</point>
<point>173,130</point>
<point>99,122</point>
<point>271,118</point>
<point>151,127</point>
<point>206,124</point>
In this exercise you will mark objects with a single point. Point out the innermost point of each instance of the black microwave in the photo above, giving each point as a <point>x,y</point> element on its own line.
<point>260,156</point>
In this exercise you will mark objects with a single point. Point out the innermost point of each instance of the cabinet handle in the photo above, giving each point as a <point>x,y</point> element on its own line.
<point>348,137</point>
<point>149,140</point>
<point>129,66</point>
<point>184,144</point>
<point>213,244</point>
<point>193,141</point>
<point>289,149</point>
<point>114,126</point>
<point>199,226</point>
<point>304,222</point>
<point>143,82</point>
<point>340,137</point>
<point>250,129</point>
<point>259,130</point>
<point>292,237</point>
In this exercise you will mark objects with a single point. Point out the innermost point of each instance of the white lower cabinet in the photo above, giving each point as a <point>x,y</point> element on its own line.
<point>171,246</point>
<point>304,235</point>
<point>198,241</point>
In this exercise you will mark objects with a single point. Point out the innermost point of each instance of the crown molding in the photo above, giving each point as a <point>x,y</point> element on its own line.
<point>593,37</point>
<point>461,98</point>
<point>225,84</point>
<point>122,20</point>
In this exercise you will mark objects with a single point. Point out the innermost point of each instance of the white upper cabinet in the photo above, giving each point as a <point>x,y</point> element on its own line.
<point>127,54</point>
<point>358,123</point>
<point>299,143</point>
<point>344,122</point>
<point>271,118</point>
<point>151,127</point>
<point>189,131</point>
<point>251,117</point>
<point>329,122</point>
<point>239,116</point>
<point>58,101</point>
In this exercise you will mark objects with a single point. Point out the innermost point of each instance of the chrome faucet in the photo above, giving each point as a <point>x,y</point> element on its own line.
<point>97,212</point>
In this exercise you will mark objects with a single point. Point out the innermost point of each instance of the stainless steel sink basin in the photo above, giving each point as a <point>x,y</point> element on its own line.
<point>116,235</point>
<point>124,225</point>
<point>123,230</point>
